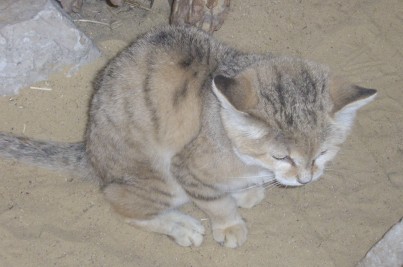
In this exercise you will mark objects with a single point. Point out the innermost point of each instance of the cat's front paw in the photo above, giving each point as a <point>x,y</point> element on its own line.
<point>184,229</point>
<point>249,198</point>
<point>231,236</point>
<point>187,232</point>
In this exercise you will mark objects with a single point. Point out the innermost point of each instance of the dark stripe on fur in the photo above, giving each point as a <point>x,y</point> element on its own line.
<point>192,185</point>
<point>147,96</point>
<point>148,195</point>
<point>199,196</point>
<point>180,93</point>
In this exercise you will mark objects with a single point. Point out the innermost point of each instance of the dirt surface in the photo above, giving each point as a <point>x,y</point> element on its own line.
<point>47,219</point>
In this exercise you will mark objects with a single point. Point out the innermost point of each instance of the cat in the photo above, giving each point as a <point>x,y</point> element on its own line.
<point>178,117</point>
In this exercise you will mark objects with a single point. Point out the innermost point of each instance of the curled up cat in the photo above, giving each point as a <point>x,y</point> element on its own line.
<point>178,117</point>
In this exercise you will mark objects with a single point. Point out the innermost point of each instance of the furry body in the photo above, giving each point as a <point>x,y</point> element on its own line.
<point>178,116</point>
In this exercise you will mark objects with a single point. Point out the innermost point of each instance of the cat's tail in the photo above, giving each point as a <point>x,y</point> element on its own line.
<point>64,157</point>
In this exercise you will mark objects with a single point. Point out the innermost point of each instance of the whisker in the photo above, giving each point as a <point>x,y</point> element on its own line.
<point>253,177</point>
<point>244,189</point>
<point>271,188</point>
<point>268,188</point>
<point>273,183</point>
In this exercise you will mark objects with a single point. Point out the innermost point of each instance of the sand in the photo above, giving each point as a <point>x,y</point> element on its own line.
<point>49,219</point>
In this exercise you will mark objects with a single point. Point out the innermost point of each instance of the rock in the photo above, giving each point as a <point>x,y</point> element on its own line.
<point>208,15</point>
<point>395,178</point>
<point>388,252</point>
<point>71,5</point>
<point>38,38</point>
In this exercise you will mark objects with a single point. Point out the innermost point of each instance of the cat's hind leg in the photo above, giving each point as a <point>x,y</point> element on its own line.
<point>152,209</point>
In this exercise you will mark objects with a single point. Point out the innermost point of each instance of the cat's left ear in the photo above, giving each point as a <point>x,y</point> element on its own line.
<point>347,99</point>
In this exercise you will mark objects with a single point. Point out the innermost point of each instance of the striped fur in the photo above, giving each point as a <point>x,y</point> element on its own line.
<point>178,116</point>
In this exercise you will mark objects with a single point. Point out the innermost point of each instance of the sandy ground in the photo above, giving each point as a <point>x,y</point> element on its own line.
<point>47,219</point>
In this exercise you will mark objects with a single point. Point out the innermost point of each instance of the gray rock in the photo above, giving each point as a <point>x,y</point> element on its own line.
<point>388,252</point>
<point>38,38</point>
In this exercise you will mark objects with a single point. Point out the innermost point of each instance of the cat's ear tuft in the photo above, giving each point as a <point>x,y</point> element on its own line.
<point>234,92</point>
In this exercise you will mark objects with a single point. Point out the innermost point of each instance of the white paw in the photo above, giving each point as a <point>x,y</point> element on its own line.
<point>231,236</point>
<point>187,232</point>
<point>249,198</point>
<point>184,229</point>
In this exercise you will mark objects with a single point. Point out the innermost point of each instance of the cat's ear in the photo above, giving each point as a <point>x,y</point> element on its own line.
<point>235,92</point>
<point>347,99</point>
<point>236,97</point>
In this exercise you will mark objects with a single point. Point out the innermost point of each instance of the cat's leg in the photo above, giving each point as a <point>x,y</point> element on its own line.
<point>250,197</point>
<point>229,229</point>
<point>152,209</point>
<point>184,229</point>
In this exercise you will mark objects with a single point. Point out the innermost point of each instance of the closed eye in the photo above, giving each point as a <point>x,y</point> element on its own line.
<point>285,159</point>
<point>281,158</point>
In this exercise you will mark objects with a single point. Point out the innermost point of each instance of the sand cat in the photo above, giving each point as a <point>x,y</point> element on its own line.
<point>179,117</point>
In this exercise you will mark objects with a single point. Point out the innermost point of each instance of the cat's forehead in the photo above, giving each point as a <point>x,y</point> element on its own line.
<point>282,70</point>
<point>301,143</point>
<point>293,94</point>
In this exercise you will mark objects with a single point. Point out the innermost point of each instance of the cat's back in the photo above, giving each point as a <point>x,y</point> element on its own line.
<point>151,95</point>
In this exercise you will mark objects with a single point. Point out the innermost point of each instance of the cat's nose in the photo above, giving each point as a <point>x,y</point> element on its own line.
<point>304,178</point>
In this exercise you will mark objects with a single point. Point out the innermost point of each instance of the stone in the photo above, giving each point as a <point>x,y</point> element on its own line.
<point>38,38</point>
<point>396,179</point>
<point>387,252</point>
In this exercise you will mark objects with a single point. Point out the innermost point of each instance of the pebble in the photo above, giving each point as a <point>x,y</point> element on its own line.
<point>396,178</point>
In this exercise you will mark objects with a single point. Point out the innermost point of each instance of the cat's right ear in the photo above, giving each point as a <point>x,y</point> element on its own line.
<point>234,93</point>
<point>236,97</point>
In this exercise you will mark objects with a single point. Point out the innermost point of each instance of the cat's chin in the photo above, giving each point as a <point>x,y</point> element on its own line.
<point>294,182</point>
<point>288,183</point>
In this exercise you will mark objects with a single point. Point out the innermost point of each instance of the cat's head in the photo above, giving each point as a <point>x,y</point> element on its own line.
<point>288,115</point>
